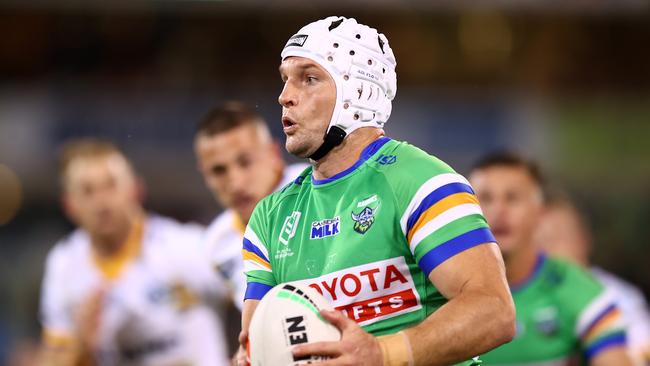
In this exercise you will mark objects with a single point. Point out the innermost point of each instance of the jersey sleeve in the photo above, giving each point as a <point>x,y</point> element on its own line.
<point>56,319</point>
<point>442,219</point>
<point>600,324</point>
<point>255,252</point>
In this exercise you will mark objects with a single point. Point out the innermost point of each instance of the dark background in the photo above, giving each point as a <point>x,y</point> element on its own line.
<point>564,82</point>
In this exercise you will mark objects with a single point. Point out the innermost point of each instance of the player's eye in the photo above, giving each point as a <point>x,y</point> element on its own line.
<point>218,170</point>
<point>245,161</point>
<point>311,79</point>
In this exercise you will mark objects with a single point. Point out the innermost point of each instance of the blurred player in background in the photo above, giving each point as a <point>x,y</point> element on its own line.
<point>564,233</point>
<point>562,311</point>
<point>241,164</point>
<point>126,287</point>
<point>389,234</point>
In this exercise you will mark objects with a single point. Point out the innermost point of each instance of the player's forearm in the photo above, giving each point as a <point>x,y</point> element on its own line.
<point>247,313</point>
<point>470,324</point>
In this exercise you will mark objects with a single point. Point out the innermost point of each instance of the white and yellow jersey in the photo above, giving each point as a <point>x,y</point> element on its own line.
<point>160,292</point>
<point>224,238</point>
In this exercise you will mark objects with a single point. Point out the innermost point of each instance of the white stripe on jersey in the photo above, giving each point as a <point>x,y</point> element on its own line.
<point>255,240</point>
<point>443,219</point>
<point>597,306</point>
<point>425,189</point>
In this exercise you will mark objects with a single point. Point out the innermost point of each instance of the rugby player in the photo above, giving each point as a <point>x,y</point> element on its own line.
<point>563,232</point>
<point>240,164</point>
<point>563,313</point>
<point>389,234</point>
<point>126,287</point>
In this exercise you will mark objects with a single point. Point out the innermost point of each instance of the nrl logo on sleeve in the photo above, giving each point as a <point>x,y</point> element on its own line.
<point>298,40</point>
<point>324,228</point>
<point>366,217</point>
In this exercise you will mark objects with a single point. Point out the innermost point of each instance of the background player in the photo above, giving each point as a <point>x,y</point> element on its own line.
<point>561,310</point>
<point>127,287</point>
<point>388,234</point>
<point>241,164</point>
<point>563,232</point>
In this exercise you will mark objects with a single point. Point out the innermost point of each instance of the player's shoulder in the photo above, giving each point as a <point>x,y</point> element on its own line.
<point>68,250</point>
<point>288,191</point>
<point>220,225</point>
<point>572,285</point>
<point>165,232</point>
<point>409,156</point>
<point>163,225</point>
<point>408,168</point>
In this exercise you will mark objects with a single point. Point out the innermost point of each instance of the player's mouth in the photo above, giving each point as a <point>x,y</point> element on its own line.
<point>289,125</point>
<point>500,230</point>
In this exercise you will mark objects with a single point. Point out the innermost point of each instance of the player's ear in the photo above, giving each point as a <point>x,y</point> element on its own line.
<point>67,207</point>
<point>140,190</point>
<point>276,149</point>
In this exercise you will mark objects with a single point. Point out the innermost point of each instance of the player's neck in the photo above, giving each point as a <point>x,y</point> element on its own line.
<point>520,263</point>
<point>346,154</point>
<point>107,246</point>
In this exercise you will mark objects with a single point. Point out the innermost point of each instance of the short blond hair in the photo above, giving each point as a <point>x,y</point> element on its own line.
<point>87,147</point>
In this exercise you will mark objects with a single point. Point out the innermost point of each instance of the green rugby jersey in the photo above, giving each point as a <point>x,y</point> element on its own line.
<point>562,313</point>
<point>368,237</point>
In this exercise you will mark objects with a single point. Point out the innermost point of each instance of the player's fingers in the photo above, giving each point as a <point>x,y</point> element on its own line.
<point>339,361</point>
<point>330,349</point>
<point>337,319</point>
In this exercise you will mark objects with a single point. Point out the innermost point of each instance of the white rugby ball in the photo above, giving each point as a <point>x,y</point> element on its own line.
<point>287,316</point>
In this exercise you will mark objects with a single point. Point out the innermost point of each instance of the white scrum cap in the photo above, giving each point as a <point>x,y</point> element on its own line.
<point>360,61</point>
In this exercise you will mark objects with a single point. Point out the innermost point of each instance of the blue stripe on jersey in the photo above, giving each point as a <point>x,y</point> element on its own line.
<point>454,246</point>
<point>256,290</point>
<point>253,249</point>
<point>369,151</point>
<point>613,340</point>
<point>433,197</point>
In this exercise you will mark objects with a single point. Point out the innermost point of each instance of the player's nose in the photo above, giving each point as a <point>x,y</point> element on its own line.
<point>287,97</point>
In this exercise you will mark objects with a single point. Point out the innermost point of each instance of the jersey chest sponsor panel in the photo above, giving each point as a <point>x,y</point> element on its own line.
<point>370,292</point>
<point>345,240</point>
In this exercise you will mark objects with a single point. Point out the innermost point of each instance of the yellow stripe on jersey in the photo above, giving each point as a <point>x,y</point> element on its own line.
<point>440,207</point>
<point>250,256</point>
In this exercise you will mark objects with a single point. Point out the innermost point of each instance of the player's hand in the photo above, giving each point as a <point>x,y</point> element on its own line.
<point>88,318</point>
<point>356,347</point>
<point>241,357</point>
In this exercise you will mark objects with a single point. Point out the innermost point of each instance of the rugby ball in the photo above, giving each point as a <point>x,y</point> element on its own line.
<point>287,316</point>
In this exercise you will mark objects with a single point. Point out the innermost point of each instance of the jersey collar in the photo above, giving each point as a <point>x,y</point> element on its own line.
<point>366,154</point>
<point>539,263</point>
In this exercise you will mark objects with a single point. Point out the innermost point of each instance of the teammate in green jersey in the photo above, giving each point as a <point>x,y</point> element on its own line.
<point>390,235</point>
<point>563,313</point>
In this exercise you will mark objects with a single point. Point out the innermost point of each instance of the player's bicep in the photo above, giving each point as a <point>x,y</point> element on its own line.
<point>479,267</point>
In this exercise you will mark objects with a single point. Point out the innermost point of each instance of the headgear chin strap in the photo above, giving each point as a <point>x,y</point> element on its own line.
<point>333,138</point>
<point>362,64</point>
